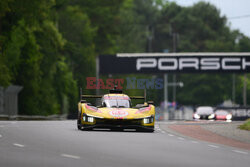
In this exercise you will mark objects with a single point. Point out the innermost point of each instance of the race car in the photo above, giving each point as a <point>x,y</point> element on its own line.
<point>223,115</point>
<point>115,113</point>
<point>204,112</point>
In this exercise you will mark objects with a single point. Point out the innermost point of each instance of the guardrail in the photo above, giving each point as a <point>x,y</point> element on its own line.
<point>33,117</point>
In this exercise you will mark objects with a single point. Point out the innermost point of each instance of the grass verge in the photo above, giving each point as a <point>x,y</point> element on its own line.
<point>246,125</point>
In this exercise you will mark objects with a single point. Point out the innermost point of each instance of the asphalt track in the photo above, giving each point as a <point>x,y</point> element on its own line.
<point>59,144</point>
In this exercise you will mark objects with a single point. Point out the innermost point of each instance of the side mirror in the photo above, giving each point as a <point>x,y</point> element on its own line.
<point>150,102</point>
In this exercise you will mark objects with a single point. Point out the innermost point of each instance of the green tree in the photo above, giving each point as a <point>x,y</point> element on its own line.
<point>32,54</point>
<point>137,20</point>
<point>200,28</point>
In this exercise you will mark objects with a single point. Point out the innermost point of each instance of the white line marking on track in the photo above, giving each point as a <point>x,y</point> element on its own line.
<point>163,132</point>
<point>18,145</point>
<point>194,141</point>
<point>166,123</point>
<point>210,145</point>
<point>241,152</point>
<point>1,136</point>
<point>170,135</point>
<point>70,156</point>
<point>180,138</point>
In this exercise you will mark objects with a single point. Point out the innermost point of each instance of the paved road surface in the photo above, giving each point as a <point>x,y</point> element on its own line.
<point>59,144</point>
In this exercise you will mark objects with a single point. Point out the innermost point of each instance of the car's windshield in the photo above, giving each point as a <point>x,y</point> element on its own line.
<point>221,113</point>
<point>204,110</point>
<point>117,103</point>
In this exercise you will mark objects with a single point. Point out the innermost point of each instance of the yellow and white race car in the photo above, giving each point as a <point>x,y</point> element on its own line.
<point>115,113</point>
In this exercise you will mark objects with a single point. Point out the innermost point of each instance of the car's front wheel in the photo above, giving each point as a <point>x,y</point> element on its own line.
<point>79,127</point>
<point>147,129</point>
<point>79,124</point>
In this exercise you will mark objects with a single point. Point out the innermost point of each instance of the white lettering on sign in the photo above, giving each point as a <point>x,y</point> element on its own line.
<point>225,65</point>
<point>213,63</point>
<point>174,63</point>
<point>210,64</point>
<point>145,63</point>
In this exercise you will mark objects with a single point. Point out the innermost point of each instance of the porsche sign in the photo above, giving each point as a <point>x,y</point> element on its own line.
<point>175,63</point>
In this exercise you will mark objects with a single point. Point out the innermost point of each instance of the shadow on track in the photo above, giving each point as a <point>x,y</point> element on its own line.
<point>117,130</point>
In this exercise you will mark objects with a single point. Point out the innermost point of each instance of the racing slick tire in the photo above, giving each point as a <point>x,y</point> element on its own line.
<point>79,126</point>
<point>150,130</point>
<point>86,129</point>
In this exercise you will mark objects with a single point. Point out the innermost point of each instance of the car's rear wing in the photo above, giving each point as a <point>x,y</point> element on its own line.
<point>137,97</point>
<point>82,97</point>
<point>100,96</point>
<point>91,96</point>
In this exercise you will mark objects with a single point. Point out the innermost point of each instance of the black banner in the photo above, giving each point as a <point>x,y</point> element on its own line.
<point>113,64</point>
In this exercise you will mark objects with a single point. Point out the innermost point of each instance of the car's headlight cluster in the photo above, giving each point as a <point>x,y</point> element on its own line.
<point>86,118</point>
<point>196,116</point>
<point>148,120</point>
<point>229,116</point>
<point>211,116</point>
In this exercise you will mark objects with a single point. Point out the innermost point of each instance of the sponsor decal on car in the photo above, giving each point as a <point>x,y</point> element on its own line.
<point>118,113</point>
<point>92,108</point>
<point>143,110</point>
<point>116,97</point>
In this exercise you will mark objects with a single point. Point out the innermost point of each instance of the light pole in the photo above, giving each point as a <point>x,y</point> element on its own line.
<point>166,92</point>
<point>175,40</point>
<point>166,85</point>
<point>245,90</point>
<point>233,90</point>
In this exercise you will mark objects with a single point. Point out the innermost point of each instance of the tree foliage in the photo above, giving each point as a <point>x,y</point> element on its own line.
<point>49,47</point>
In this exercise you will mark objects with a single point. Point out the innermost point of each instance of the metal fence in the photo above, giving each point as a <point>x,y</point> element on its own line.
<point>1,100</point>
<point>9,100</point>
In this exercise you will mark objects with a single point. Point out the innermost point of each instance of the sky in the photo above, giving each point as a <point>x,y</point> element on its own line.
<point>236,11</point>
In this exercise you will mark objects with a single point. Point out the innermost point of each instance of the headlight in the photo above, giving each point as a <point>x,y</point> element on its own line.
<point>148,120</point>
<point>88,119</point>
<point>211,116</point>
<point>196,116</point>
<point>229,116</point>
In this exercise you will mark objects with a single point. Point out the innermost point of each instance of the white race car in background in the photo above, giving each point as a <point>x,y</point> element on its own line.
<point>223,115</point>
<point>204,112</point>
